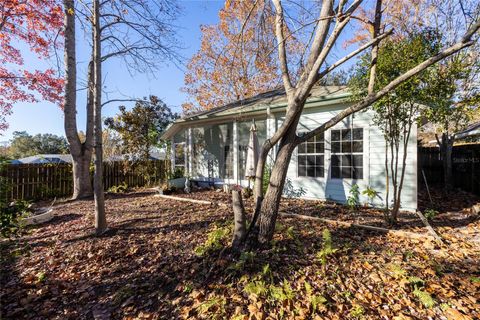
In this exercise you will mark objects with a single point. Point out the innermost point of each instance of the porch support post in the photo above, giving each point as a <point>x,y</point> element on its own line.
<point>271,128</point>
<point>236,178</point>
<point>189,153</point>
<point>172,154</point>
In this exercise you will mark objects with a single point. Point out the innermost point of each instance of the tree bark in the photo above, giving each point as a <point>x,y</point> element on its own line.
<point>446,149</point>
<point>296,100</point>
<point>81,152</point>
<point>82,185</point>
<point>100,218</point>
<point>240,227</point>
<point>271,202</point>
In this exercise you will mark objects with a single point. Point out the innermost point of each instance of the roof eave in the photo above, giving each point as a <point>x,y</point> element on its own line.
<point>176,126</point>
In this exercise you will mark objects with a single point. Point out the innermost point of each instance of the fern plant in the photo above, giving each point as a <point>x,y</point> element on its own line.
<point>327,247</point>
<point>353,199</point>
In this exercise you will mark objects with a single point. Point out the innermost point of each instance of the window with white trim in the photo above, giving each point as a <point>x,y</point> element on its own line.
<point>310,157</point>
<point>347,153</point>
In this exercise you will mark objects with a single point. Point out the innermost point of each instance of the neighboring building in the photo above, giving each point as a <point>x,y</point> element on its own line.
<point>44,158</point>
<point>211,146</point>
<point>472,131</point>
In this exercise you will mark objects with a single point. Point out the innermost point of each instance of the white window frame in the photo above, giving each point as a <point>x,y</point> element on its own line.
<point>306,154</point>
<point>362,154</point>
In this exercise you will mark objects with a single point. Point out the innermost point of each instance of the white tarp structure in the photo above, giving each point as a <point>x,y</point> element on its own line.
<point>252,153</point>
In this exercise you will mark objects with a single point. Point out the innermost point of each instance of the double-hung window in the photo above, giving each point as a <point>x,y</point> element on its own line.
<point>310,158</point>
<point>347,153</point>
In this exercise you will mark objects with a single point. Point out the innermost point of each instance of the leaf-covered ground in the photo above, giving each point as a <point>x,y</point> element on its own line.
<point>163,259</point>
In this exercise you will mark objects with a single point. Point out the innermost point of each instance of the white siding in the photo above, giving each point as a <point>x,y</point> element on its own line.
<point>315,188</point>
<point>373,161</point>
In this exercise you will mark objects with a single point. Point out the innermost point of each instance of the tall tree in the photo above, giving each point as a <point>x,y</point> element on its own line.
<point>455,82</point>
<point>35,24</point>
<point>138,32</point>
<point>396,113</point>
<point>328,26</point>
<point>236,59</point>
<point>141,127</point>
<point>81,150</point>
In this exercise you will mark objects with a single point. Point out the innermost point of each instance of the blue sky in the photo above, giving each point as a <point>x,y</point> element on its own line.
<point>44,117</point>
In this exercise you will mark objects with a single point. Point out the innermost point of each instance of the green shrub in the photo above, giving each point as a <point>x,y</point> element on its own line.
<point>430,214</point>
<point>353,199</point>
<point>121,188</point>
<point>216,240</point>
<point>11,215</point>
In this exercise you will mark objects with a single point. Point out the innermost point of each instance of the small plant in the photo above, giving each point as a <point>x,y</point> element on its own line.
<point>371,194</point>
<point>316,300</point>
<point>266,177</point>
<point>281,293</point>
<point>213,307</point>
<point>41,277</point>
<point>357,311</point>
<point>430,214</point>
<point>424,297</point>
<point>176,174</point>
<point>215,240</point>
<point>327,247</point>
<point>257,288</point>
<point>11,217</point>
<point>246,257</point>
<point>121,188</point>
<point>353,199</point>
<point>397,270</point>
<point>247,192</point>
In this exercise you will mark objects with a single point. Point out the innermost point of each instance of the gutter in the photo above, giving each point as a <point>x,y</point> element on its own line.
<point>261,109</point>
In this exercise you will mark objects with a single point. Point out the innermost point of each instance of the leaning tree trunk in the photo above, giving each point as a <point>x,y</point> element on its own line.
<point>271,202</point>
<point>100,219</point>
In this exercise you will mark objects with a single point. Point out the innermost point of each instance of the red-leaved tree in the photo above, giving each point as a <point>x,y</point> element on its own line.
<point>36,25</point>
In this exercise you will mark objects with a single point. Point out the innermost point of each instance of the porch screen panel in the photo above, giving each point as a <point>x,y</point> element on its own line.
<point>178,150</point>
<point>243,138</point>
<point>213,151</point>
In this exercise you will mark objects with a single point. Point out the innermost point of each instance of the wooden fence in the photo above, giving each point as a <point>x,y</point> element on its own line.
<point>465,166</point>
<point>42,181</point>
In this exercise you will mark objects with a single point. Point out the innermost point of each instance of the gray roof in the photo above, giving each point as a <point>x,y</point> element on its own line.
<point>471,131</point>
<point>259,103</point>
<point>45,158</point>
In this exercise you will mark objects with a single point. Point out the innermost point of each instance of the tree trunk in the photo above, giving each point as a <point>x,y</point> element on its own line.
<point>271,202</point>
<point>446,149</point>
<point>82,185</point>
<point>81,152</point>
<point>100,219</point>
<point>240,228</point>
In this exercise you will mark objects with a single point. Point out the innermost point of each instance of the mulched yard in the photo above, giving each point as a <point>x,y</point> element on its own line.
<point>163,259</point>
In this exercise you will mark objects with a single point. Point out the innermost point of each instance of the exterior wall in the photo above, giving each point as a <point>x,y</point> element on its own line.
<point>373,162</point>
<point>205,157</point>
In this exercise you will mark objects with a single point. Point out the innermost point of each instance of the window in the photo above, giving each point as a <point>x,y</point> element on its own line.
<point>347,153</point>
<point>310,157</point>
<point>179,152</point>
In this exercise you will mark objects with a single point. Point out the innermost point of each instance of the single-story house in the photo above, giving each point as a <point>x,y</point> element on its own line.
<point>211,147</point>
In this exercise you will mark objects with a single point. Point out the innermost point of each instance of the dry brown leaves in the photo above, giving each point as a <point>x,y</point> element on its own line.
<point>145,268</point>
